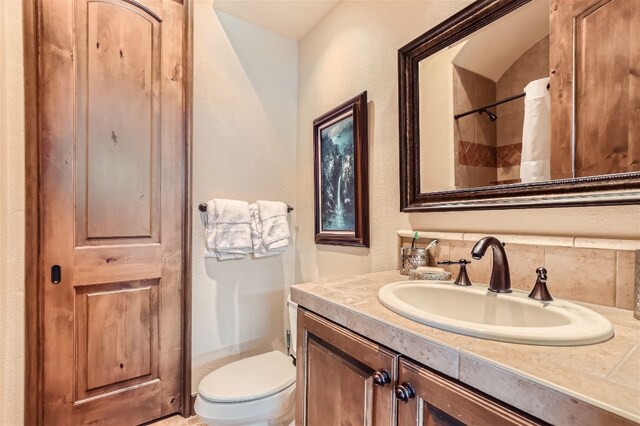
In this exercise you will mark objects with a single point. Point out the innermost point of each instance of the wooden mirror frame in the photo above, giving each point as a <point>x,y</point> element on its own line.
<point>613,189</point>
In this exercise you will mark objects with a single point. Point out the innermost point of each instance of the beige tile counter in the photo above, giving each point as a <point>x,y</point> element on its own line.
<point>551,383</point>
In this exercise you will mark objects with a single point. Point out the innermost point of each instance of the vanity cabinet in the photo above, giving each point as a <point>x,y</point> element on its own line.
<point>345,379</point>
<point>342,378</point>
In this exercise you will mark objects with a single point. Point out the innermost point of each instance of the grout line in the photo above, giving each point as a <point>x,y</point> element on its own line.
<point>624,358</point>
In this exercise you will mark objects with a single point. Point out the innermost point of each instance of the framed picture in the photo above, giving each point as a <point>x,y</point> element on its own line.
<point>341,183</point>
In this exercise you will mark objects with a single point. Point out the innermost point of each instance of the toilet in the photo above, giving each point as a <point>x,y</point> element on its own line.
<point>255,391</point>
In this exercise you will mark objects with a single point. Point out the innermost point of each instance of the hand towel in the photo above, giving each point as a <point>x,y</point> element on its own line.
<point>259,250</point>
<point>228,234</point>
<point>210,230</point>
<point>275,229</point>
<point>535,165</point>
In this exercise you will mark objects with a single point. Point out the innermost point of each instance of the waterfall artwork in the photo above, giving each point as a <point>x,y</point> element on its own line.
<point>341,187</point>
<point>337,190</point>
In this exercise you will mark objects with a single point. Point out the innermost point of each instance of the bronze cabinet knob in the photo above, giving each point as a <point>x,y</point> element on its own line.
<point>405,392</point>
<point>381,377</point>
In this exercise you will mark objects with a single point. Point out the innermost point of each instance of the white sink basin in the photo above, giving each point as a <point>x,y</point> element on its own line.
<point>508,317</point>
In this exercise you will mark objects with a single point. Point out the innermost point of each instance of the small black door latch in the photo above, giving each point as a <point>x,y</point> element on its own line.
<point>56,274</point>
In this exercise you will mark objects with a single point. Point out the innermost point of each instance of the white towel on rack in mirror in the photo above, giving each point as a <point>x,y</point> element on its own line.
<point>535,164</point>
<point>275,228</point>
<point>228,229</point>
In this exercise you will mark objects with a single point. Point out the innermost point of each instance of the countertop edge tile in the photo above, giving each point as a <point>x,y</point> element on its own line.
<point>549,402</point>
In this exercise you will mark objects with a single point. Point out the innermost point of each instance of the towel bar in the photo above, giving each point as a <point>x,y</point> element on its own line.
<point>203,208</point>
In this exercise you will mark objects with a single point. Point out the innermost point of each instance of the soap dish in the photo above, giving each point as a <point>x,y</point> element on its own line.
<point>429,275</point>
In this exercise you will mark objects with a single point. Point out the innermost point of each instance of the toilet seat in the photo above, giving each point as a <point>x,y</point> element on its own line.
<point>249,379</point>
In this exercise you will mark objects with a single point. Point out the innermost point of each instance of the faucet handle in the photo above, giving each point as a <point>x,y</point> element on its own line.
<point>542,273</point>
<point>454,262</point>
<point>463,278</point>
<point>540,290</point>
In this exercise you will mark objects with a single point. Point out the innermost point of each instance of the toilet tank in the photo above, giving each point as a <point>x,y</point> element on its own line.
<point>293,324</point>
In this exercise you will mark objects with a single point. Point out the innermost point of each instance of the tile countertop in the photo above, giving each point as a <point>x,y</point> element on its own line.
<point>551,383</point>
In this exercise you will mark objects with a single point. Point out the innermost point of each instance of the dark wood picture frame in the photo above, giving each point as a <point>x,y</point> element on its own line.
<point>357,108</point>
<point>613,189</point>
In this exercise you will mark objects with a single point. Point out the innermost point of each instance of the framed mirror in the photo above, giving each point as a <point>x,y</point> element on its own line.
<point>520,104</point>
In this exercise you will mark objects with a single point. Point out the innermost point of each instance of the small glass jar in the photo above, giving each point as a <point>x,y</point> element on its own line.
<point>411,258</point>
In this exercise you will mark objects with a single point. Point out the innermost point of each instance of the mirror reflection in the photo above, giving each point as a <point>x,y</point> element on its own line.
<point>470,141</point>
<point>485,111</point>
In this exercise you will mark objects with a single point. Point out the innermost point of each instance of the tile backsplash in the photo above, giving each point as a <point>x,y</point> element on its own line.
<point>603,276</point>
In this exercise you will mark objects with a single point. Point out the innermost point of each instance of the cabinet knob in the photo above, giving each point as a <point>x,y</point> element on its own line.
<point>405,392</point>
<point>381,377</point>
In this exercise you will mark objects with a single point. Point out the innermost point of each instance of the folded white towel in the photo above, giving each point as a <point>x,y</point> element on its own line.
<point>228,229</point>
<point>275,228</point>
<point>259,250</point>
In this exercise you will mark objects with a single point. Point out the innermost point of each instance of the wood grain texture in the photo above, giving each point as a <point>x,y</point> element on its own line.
<point>606,32</point>
<point>128,340</point>
<point>334,376</point>
<point>117,157</point>
<point>122,329</point>
<point>33,290</point>
<point>347,389</point>
<point>604,90</point>
<point>561,90</point>
<point>116,263</point>
<point>186,408</point>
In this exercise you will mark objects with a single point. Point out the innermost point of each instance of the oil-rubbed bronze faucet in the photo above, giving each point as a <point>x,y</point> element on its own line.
<point>500,281</point>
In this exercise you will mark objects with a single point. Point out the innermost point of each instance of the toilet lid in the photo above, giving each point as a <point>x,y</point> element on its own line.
<point>248,379</point>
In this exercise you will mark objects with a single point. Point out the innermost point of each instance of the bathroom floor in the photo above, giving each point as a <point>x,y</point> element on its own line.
<point>178,420</point>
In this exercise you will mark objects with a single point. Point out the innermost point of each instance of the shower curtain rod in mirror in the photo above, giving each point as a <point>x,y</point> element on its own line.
<point>509,99</point>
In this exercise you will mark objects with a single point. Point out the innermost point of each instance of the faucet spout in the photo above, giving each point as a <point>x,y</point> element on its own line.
<point>500,281</point>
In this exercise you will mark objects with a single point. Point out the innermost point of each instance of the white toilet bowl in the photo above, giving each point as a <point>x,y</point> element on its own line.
<point>255,391</point>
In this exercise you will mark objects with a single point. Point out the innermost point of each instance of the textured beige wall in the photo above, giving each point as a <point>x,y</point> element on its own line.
<point>244,142</point>
<point>11,214</point>
<point>353,49</point>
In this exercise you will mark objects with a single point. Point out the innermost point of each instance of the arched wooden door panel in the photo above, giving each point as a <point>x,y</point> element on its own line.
<point>112,163</point>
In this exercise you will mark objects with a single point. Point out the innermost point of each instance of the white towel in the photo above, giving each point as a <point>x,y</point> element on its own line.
<point>275,229</point>
<point>228,229</point>
<point>259,250</point>
<point>535,165</point>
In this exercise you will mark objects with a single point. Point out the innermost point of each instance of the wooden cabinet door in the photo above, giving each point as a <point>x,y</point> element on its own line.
<point>595,89</point>
<point>436,401</point>
<point>336,371</point>
<point>112,139</point>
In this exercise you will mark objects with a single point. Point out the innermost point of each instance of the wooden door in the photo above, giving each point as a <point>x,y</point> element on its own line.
<point>112,140</point>
<point>595,64</point>
<point>434,400</point>
<point>337,372</point>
